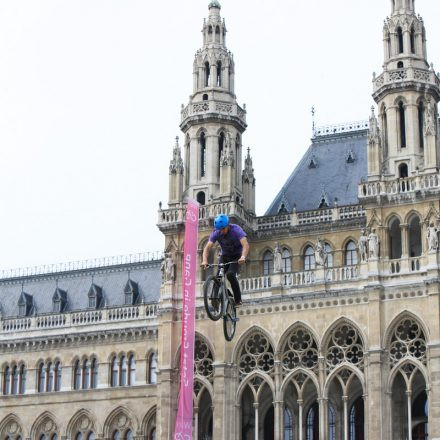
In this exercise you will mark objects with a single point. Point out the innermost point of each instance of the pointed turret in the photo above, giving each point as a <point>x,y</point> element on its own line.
<point>404,92</point>
<point>248,179</point>
<point>213,122</point>
<point>176,176</point>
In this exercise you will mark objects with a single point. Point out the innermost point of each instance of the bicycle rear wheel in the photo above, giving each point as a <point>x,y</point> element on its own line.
<point>213,298</point>
<point>229,321</point>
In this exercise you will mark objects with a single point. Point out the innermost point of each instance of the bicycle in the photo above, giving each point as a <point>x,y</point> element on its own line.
<point>219,301</point>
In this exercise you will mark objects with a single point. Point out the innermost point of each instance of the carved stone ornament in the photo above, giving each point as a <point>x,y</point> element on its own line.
<point>277,259</point>
<point>12,428</point>
<point>122,421</point>
<point>363,246</point>
<point>84,423</point>
<point>432,236</point>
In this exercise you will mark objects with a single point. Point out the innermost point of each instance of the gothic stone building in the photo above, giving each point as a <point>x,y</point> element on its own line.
<point>339,334</point>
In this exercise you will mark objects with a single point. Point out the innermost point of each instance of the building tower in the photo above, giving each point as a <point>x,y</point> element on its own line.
<point>407,93</point>
<point>213,122</point>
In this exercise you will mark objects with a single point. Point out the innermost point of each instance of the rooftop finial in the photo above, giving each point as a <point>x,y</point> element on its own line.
<point>313,120</point>
<point>214,4</point>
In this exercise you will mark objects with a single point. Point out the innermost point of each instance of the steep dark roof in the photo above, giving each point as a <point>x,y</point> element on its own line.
<point>77,284</point>
<point>331,169</point>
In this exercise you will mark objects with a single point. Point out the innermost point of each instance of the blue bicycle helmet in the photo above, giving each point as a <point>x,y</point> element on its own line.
<point>221,221</point>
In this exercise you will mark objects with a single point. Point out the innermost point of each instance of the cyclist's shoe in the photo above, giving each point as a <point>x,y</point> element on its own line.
<point>238,303</point>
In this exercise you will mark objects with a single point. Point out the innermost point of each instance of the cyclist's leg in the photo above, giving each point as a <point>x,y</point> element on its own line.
<point>231,274</point>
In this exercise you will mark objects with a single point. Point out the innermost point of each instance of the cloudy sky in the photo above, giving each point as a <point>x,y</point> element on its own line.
<point>90,96</point>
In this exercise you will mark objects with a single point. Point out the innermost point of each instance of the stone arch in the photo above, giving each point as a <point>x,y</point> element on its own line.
<point>12,425</point>
<point>391,216</point>
<point>353,348</point>
<point>411,214</point>
<point>245,335</point>
<point>400,99</point>
<point>204,385</point>
<point>398,369</point>
<point>294,373</point>
<point>357,373</point>
<point>83,420</point>
<point>258,374</point>
<point>149,422</point>
<point>45,423</point>
<point>121,418</point>
<point>347,240</point>
<point>400,316</point>
<point>298,347</point>
<point>304,246</point>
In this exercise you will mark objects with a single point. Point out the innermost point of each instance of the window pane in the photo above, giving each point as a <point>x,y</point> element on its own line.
<point>77,378</point>
<point>86,375</point>
<point>132,366</point>
<point>94,382</point>
<point>22,379</point>
<point>79,436</point>
<point>41,378</point>
<point>91,436</point>
<point>7,381</point>
<point>14,389</point>
<point>123,371</point>
<point>129,435</point>
<point>116,436</point>
<point>267,263</point>
<point>329,254</point>
<point>309,258</point>
<point>57,376</point>
<point>49,377</point>
<point>153,369</point>
<point>115,372</point>
<point>287,261</point>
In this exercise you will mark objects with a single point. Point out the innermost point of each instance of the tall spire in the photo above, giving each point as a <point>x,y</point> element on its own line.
<point>407,88</point>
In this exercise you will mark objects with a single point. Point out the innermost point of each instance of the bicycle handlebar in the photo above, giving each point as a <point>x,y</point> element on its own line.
<point>218,264</point>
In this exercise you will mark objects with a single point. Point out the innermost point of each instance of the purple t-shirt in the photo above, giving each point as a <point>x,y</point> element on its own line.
<point>230,242</point>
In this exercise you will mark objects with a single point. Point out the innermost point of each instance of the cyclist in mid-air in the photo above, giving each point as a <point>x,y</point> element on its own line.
<point>235,249</point>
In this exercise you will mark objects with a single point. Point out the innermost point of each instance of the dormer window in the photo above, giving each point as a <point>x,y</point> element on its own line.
<point>131,293</point>
<point>59,301</point>
<point>25,304</point>
<point>95,297</point>
<point>313,163</point>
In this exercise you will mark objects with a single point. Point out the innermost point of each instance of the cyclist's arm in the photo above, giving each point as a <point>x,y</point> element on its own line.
<point>206,250</point>
<point>245,251</point>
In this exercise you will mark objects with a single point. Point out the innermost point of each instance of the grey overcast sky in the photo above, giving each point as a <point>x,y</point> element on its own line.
<point>90,95</point>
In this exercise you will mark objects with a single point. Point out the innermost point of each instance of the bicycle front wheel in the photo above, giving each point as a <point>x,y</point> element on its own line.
<point>213,298</point>
<point>229,321</point>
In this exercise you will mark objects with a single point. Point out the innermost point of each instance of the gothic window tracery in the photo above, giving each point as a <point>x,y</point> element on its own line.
<point>408,340</point>
<point>85,374</point>
<point>256,354</point>
<point>345,345</point>
<point>203,360</point>
<point>300,350</point>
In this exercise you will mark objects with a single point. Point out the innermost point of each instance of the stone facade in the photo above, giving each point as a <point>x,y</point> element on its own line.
<point>339,334</point>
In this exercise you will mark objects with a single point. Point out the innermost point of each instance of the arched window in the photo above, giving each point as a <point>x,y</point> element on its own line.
<point>413,40</point>
<point>49,377</point>
<point>77,376</point>
<point>421,117</point>
<point>41,378</point>
<point>350,254</point>
<point>94,375</point>
<point>219,74</point>
<point>403,170</point>
<point>207,74</point>
<point>153,434</point>
<point>123,380</point>
<point>395,239</point>
<point>205,97</point>
<point>385,130</point>
<point>116,436</point>
<point>288,424</point>
<point>312,423</point>
<point>43,437</point>
<point>309,258</point>
<point>217,34</point>
<point>267,263</point>
<point>402,126</point>
<point>201,198</point>
<point>57,376</point>
<point>287,261</point>
<point>128,435</point>
<point>357,420</point>
<point>202,155</point>
<point>400,39</point>
<point>331,422</point>
<point>415,237</point>
<point>419,414</point>
<point>22,379</point>
<point>15,380</point>
<point>152,369</point>
<point>85,374</point>
<point>54,437</point>
<point>115,372</point>
<point>79,436</point>
<point>6,381</point>
<point>91,436</point>
<point>328,255</point>
<point>131,370</point>
<point>400,65</point>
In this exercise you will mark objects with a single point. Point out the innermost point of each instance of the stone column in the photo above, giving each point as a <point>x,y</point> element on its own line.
<point>256,421</point>
<point>300,419</point>
<point>196,423</point>
<point>345,418</point>
<point>278,420</point>
<point>405,247</point>
<point>213,76</point>
<point>219,415</point>
<point>323,418</point>
<point>393,130</point>
<point>408,398</point>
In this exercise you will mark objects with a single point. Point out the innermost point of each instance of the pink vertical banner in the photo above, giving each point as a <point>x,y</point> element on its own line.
<point>184,421</point>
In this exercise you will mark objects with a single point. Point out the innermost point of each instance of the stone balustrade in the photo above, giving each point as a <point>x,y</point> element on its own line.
<point>405,74</point>
<point>79,318</point>
<point>213,106</point>
<point>399,186</point>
